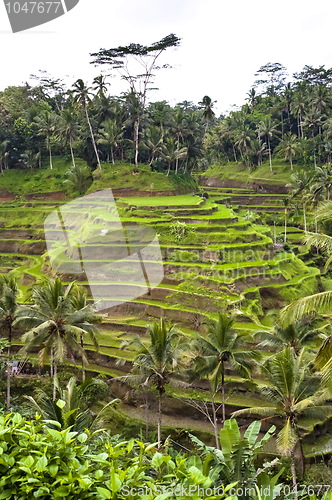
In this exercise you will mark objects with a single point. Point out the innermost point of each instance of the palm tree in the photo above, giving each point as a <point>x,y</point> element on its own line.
<point>55,325</point>
<point>221,347</point>
<point>323,180</point>
<point>171,153</point>
<point>294,336</point>
<point>8,310</point>
<point>294,392</point>
<point>81,96</point>
<point>286,205</point>
<point>158,360</point>
<point>288,147</point>
<point>300,184</point>
<point>47,123</point>
<point>243,140</point>
<point>100,85</point>
<point>297,107</point>
<point>110,134</point>
<point>312,120</point>
<point>135,111</point>
<point>319,302</point>
<point>68,130</point>
<point>208,114</point>
<point>267,127</point>
<point>72,410</point>
<point>153,141</point>
<point>79,178</point>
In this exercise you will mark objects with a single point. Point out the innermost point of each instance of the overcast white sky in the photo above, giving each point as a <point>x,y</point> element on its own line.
<point>223,42</point>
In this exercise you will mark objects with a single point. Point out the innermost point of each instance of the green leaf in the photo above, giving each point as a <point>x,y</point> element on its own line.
<point>53,470</point>
<point>41,463</point>
<point>104,493</point>
<point>252,432</point>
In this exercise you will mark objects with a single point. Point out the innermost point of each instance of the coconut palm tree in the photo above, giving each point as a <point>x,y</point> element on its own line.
<point>72,409</point>
<point>47,124</point>
<point>323,180</point>
<point>81,96</point>
<point>55,325</point>
<point>8,310</point>
<point>171,153</point>
<point>158,359</point>
<point>293,393</point>
<point>208,114</point>
<point>243,140</point>
<point>298,106</point>
<point>110,134</point>
<point>67,129</point>
<point>296,335</point>
<point>300,184</point>
<point>135,112</point>
<point>222,347</point>
<point>288,147</point>
<point>79,178</point>
<point>153,141</point>
<point>100,85</point>
<point>267,127</point>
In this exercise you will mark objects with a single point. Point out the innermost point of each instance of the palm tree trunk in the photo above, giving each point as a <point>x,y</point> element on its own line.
<point>234,153</point>
<point>50,152</point>
<point>54,379</point>
<point>291,162</point>
<point>304,218</point>
<point>270,156</point>
<point>8,397</point>
<point>293,469</point>
<point>83,369</point>
<point>147,420</point>
<point>136,133</point>
<point>72,152</point>
<point>159,419</point>
<point>215,424</point>
<point>112,155</point>
<point>92,136</point>
<point>223,394</point>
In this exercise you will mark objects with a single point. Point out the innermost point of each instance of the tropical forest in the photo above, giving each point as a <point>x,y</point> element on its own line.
<point>165,287</point>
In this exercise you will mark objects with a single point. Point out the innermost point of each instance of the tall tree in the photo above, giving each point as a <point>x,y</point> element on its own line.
<point>158,359</point>
<point>55,325</point>
<point>267,127</point>
<point>81,96</point>
<point>223,346</point>
<point>110,134</point>
<point>288,147</point>
<point>8,309</point>
<point>208,114</point>
<point>67,128</point>
<point>46,127</point>
<point>136,64</point>
<point>293,393</point>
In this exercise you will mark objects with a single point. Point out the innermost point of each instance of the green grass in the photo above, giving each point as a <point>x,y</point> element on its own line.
<point>24,182</point>
<point>155,201</point>
<point>236,171</point>
<point>122,175</point>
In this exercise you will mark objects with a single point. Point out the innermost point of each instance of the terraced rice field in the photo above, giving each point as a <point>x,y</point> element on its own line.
<point>211,256</point>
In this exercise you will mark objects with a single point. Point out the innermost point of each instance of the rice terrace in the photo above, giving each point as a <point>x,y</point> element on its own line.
<point>166,289</point>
